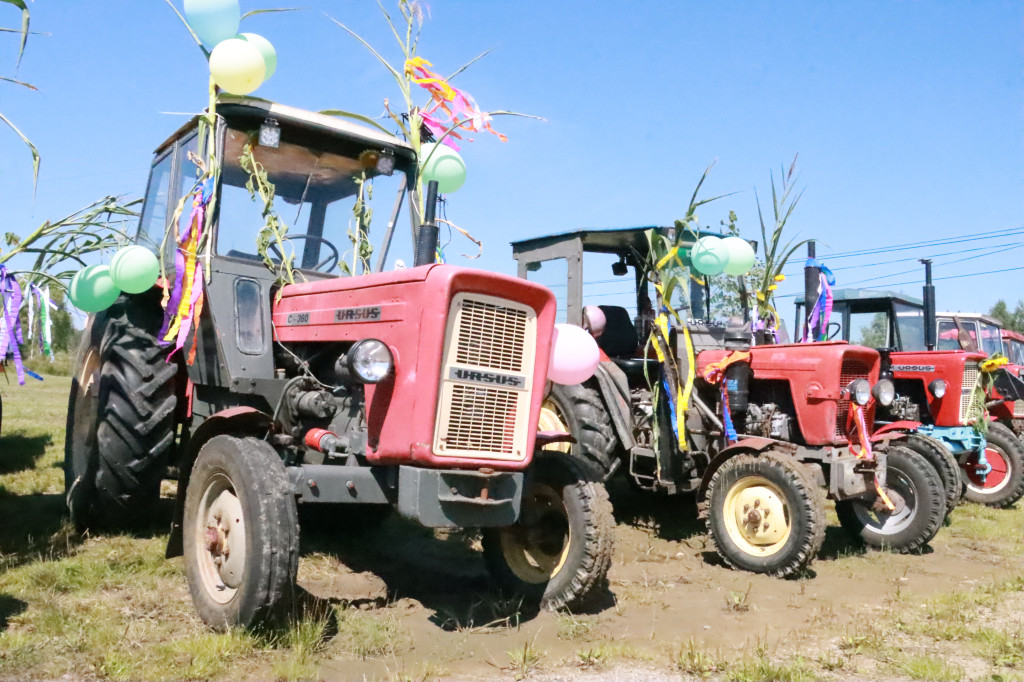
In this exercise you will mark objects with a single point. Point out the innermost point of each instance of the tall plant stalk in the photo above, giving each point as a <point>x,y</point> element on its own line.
<point>776,254</point>
<point>24,33</point>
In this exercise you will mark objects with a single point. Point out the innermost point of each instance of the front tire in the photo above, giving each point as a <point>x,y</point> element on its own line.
<point>944,463</point>
<point>241,534</point>
<point>764,514</point>
<point>558,553</point>
<point>1004,485</point>
<point>919,513</point>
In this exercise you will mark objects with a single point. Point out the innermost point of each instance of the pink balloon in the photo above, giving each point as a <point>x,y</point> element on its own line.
<point>574,355</point>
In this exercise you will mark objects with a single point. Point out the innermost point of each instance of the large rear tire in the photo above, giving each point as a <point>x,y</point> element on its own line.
<point>1004,485</point>
<point>920,506</point>
<point>241,534</point>
<point>764,514</point>
<point>944,463</point>
<point>558,553</point>
<point>579,410</point>
<point>120,425</point>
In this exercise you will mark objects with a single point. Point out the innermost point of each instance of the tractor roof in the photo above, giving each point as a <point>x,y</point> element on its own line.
<point>987,319</point>
<point>259,109</point>
<point>1016,336</point>
<point>852,294</point>
<point>608,240</point>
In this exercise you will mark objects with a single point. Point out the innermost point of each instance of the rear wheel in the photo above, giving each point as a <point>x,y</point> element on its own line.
<point>944,463</point>
<point>558,553</point>
<point>1004,484</point>
<point>763,514</point>
<point>120,425</point>
<point>579,410</point>
<point>241,534</point>
<point>915,489</point>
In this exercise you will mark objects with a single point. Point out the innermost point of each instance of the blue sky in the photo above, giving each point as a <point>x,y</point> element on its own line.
<point>907,116</point>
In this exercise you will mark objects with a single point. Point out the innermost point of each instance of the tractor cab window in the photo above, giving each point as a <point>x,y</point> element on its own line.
<point>315,194</point>
<point>1015,351</point>
<point>949,335</point>
<point>554,274</point>
<point>910,320</point>
<point>869,329</point>
<point>991,338</point>
<point>155,209</point>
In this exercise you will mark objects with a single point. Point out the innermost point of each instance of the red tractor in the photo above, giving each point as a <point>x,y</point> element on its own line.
<point>938,389</point>
<point>417,389</point>
<point>761,429</point>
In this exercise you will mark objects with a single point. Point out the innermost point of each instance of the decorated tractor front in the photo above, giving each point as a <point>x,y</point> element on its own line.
<point>270,383</point>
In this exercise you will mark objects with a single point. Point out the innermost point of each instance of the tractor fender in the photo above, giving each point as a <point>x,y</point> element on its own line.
<point>746,446</point>
<point>613,387</point>
<point>894,430</point>
<point>246,421</point>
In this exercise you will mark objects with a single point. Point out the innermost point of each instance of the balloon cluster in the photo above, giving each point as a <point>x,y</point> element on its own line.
<point>133,269</point>
<point>574,355</point>
<point>714,255</point>
<point>239,62</point>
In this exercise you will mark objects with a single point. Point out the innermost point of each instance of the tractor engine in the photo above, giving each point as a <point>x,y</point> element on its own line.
<point>767,421</point>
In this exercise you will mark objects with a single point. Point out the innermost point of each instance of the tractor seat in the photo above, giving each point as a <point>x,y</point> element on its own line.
<point>619,337</point>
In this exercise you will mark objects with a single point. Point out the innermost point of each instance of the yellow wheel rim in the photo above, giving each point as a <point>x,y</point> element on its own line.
<point>551,420</point>
<point>756,517</point>
<point>537,546</point>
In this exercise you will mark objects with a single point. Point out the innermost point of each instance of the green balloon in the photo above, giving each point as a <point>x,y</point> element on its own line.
<point>709,255</point>
<point>442,163</point>
<point>741,255</point>
<point>93,289</point>
<point>265,48</point>
<point>134,269</point>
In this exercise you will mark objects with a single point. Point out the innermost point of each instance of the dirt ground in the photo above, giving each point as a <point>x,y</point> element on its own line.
<point>665,590</point>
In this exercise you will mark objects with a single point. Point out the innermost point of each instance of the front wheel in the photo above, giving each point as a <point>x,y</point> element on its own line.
<point>558,553</point>
<point>1004,484</point>
<point>241,534</point>
<point>944,463</point>
<point>915,489</point>
<point>764,514</point>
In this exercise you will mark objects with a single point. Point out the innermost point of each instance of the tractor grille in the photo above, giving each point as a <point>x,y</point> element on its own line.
<point>486,379</point>
<point>491,335</point>
<point>967,388</point>
<point>853,368</point>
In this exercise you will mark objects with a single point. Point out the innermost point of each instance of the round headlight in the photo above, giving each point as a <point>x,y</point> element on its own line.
<point>884,392</point>
<point>370,361</point>
<point>937,388</point>
<point>860,391</point>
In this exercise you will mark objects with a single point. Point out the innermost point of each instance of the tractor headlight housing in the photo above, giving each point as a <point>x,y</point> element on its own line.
<point>859,391</point>
<point>884,392</point>
<point>369,361</point>
<point>937,388</point>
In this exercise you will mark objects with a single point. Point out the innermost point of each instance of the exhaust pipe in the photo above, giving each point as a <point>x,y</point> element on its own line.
<point>930,330</point>
<point>812,279</point>
<point>426,240</point>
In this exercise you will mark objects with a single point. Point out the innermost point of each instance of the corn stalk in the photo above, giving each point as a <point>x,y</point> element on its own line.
<point>60,248</point>
<point>24,32</point>
<point>776,255</point>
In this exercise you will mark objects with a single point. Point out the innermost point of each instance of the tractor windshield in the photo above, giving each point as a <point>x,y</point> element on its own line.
<point>991,338</point>
<point>910,320</point>
<point>316,187</point>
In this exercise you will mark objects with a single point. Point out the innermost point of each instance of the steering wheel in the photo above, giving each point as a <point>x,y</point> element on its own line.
<point>833,329</point>
<point>326,265</point>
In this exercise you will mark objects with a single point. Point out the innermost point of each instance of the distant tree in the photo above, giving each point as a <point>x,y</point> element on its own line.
<point>1014,320</point>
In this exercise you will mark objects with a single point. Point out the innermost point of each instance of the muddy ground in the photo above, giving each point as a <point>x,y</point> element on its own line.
<point>666,589</point>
